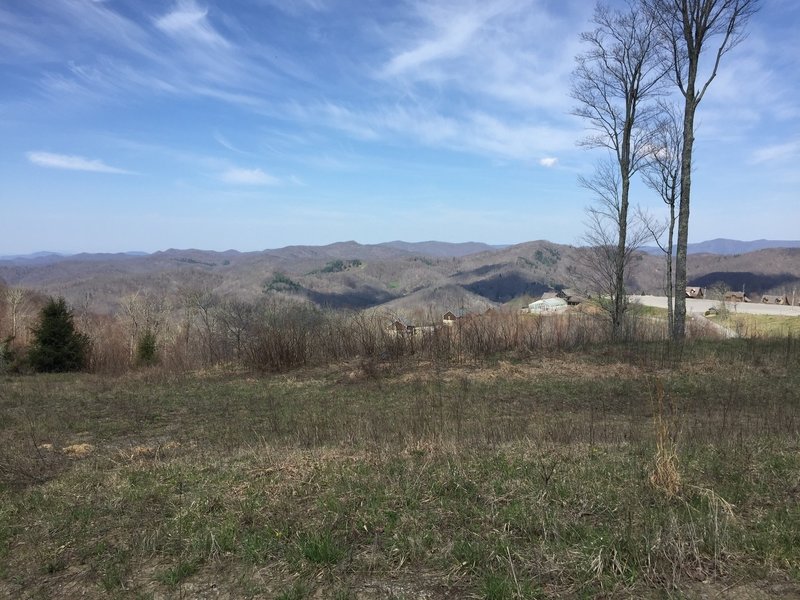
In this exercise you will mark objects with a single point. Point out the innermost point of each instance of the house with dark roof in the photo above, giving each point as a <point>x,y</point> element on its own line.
<point>400,327</point>
<point>780,299</point>
<point>554,294</point>
<point>735,297</point>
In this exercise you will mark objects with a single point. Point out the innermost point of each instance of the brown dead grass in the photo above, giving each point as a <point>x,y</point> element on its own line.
<point>78,450</point>
<point>505,370</point>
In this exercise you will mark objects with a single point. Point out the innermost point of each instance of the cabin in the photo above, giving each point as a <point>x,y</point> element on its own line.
<point>735,297</point>
<point>400,327</point>
<point>695,292</point>
<point>781,300</point>
<point>574,298</point>
<point>450,317</point>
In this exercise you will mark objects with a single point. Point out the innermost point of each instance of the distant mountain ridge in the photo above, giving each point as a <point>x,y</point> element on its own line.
<point>56,256</point>
<point>727,247</point>
<point>432,248</point>
<point>442,249</point>
<point>393,277</point>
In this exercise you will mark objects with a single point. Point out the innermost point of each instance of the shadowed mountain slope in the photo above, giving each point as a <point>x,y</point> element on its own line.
<point>352,275</point>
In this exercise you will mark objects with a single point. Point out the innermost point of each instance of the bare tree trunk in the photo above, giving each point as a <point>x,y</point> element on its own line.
<point>620,299</point>
<point>679,325</point>
<point>15,298</point>
<point>686,26</point>
<point>670,281</point>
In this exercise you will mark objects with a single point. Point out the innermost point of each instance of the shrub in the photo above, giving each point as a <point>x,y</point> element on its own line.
<point>146,350</point>
<point>6,355</point>
<point>57,345</point>
<point>281,282</point>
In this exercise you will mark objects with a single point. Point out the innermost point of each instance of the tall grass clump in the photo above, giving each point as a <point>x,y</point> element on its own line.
<point>664,474</point>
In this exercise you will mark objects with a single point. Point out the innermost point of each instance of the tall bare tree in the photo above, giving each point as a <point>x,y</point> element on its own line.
<point>600,259</point>
<point>146,312</point>
<point>15,297</point>
<point>662,174</point>
<point>612,82</point>
<point>689,31</point>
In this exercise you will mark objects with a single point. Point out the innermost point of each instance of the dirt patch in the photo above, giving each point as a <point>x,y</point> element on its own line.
<point>753,591</point>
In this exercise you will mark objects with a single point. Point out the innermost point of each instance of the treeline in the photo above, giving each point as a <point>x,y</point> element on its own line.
<point>201,330</point>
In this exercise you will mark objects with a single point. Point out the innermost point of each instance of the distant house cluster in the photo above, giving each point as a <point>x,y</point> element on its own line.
<point>733,297</point>
<point>557,301</point>
<point>553,301</point>
<point>782,300</point>
<point>451,317</point>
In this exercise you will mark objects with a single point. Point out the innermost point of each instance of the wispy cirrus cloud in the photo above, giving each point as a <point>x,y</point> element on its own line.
<point>452,32</point>
<point>485,49</point>
<point>240,176</point>
<point>73,163</point>
<point>225,143</point>
<point>190,21</point>
<point>777,153</point>
<point>106,55</point>
<point>299,7</point>
<point>476,131</point>
<point>471,51</point>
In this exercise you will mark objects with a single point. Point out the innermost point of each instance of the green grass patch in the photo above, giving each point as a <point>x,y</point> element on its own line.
<point>765,326</point>
<point>524,478</point>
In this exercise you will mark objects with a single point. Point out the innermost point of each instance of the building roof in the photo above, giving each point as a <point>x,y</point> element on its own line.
<point>772,299</point>
<point>458,313</point>
<point>694,291</point>
<point>554,294</point>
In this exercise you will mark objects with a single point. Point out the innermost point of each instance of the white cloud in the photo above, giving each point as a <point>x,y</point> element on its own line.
<point>450,39</point>
<point>299,7</point>
<point>476,132</point>
<point>517,51</point>
<point>187,19</point>
<point>72,163</point>
<point>548,161</point>
<point>238,176</point>
<point>223,141</point>
<point>776,153</point>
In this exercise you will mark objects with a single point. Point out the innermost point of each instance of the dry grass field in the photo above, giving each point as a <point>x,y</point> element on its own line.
<point>638,470</point>
<point>764,326</point>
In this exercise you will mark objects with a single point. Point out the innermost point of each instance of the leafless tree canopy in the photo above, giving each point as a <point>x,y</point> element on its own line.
<point>686,27</point>
<point>601,258</point>
<point>662,172</point>
<point>613,83</point>
<point>688,30</point>
<point>614,78</point>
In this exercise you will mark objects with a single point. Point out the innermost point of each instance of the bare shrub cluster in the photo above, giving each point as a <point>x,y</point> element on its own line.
<point>199,329</point>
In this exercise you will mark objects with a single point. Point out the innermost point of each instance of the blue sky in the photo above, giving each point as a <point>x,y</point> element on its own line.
<point>251,124</point>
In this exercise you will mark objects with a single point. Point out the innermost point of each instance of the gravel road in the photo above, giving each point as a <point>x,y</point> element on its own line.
<point>701,306</point>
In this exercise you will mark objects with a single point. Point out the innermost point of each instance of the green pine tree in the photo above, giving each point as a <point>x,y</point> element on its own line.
<point>147,349</point>
<point>57,346</point>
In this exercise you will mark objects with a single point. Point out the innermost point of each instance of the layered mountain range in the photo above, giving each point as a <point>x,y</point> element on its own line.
<point>395,276</point>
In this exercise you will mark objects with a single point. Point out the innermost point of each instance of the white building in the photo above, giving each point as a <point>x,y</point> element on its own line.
<point>548,305</point>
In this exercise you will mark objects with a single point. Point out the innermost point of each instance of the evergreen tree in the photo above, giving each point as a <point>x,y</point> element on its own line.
<point>147,350</point>
<point>57,346</point>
